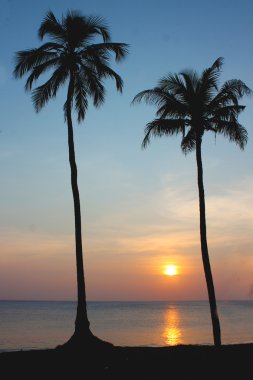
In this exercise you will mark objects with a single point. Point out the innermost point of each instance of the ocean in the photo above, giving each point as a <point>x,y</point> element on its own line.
<point>41,324</point>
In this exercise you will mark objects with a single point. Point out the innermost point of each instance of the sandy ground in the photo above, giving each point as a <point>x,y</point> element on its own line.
<point>178,362</point>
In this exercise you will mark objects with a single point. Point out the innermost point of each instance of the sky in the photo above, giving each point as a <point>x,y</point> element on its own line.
<point>139,207</point>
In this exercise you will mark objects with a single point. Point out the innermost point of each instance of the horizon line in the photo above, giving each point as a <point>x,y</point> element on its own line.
<point>128,300</point>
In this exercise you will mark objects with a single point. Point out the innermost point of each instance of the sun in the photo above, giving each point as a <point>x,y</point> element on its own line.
<point>170,270</point>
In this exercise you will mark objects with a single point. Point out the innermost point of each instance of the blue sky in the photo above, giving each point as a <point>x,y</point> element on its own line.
<point>140,208</point>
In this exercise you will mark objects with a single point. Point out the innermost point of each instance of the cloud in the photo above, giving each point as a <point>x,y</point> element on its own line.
<point>22,246</point>
<point>168,219</point>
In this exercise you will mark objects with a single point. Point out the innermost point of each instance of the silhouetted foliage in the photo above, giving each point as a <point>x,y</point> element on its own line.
<point>72,57</point>
<point>190,104</point>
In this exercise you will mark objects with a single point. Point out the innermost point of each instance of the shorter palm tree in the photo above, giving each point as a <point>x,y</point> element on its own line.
<point>190,104</point>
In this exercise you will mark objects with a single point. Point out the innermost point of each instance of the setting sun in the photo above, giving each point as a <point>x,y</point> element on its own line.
<point>170,270</point>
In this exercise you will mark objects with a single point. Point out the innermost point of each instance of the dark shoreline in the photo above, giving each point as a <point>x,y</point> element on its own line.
<point>181,362</point>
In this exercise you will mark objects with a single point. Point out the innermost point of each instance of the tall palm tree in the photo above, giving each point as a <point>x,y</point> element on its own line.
<point>71,56</point>
<point>192,104</point>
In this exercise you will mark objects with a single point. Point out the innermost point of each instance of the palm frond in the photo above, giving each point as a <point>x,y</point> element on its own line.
<point>191,80</point>
<point>38,70</point>
<point>218,63</point>
<point>26,60</point>
<point>168,104</point>
<point>105,71</point>
<point>59,77</point>
<point>98,26</point>
<point>175,85</point>
<point>208,84</point>
<point>234,131</point>
<point>163,127</point>
<point>222,99</point>
<point>52,27</point>
<point>172,107</point>
<point>80,96</point>
<point>51,46</point>
<point>155,96</point>
<point>42,94</point>
<point>188,142</point>
<point>228,112</point>
<point>237,88</point>
<point>172,83</point>
<point>230,92</point>
<point>103,49</point>
<point>95,88</point>
<point>210,76</point>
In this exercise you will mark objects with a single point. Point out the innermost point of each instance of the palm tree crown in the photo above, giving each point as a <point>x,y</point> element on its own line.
<point>191,105</point>
<point>72,56</point>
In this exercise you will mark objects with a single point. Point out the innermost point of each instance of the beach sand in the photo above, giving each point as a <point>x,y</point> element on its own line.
<point>179,362</point>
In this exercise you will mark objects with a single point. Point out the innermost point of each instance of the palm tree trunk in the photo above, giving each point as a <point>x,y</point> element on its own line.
<point>82,323</point>
<point>204,248</point>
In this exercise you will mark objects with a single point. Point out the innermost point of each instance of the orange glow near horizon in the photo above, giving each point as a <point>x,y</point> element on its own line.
<point>170,270</point>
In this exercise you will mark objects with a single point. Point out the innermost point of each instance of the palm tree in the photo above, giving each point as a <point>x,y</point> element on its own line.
<point>72,57</point>
<point>192,104</point>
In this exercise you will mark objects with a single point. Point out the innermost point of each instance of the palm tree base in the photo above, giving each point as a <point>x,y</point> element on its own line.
<point>81,340</point>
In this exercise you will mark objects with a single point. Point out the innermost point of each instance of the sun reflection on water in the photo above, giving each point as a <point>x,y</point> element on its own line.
<point>172,332</point>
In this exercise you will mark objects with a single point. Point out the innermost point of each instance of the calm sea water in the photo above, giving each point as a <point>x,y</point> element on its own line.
<point>40,324</point>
